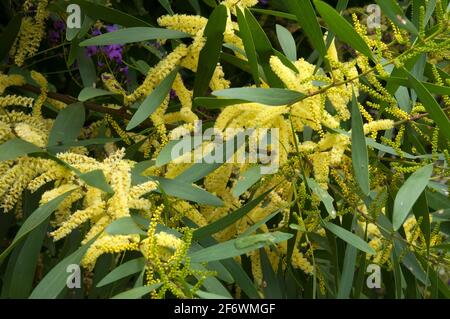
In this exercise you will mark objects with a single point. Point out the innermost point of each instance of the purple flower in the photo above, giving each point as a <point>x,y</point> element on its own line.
<point>96,32</point>
<point>59,25</point>
<point>91,50</point>
<point>53,36</point>
<point>112,28</point>
<point>113,52</point>
<point>264,2</point>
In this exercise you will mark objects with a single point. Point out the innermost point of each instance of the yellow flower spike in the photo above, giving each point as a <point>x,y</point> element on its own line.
<point>109,244</point>
<point>111,83</point>
<point>379,125</point>
<point>167,244</point>
<point>29,134</point>
<point>10,80</point>
<point>157,73</point>
<point>182,22</point>
<point>231,4</point>
<point>31,32</point>
<point>76,219</point>
<point>42,81</point>
<point>16,100</point>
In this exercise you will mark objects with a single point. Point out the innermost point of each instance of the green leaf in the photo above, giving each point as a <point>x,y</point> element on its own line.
<point>420,210</point>
<point>408,194</point>
<point>67,125</point>
<point>20,272</point>
<point>249,45</point>
<point>187,191</point>
<point>430,104</point>
<point>258,224</point>
<point>97,179</point>
<point>131,35</point>
<point>246,180</point>
<point>395,13</point>
<point>287,42</point>
<point>349,237</point>
<point>9,35</point>
<point>342,29</point>
<point>229,219</point>
<point>275,13</point>
<point>137,292</point>
<point>272,96</point>
<point>272,288</point>
<point>165,155</point>
<point>15,148</point>
<point>348,271</point>
<point>100,12</point>
<point>237,247</point>
<point>36,218</point>
<point>124,226</point>
<point>326,199</point>
<point>431,87</point>
<point>210,53</point>
<point>56,279</point>
<point>87,69</point>
<point>207,295</point>
<point>306,17</point>
<point>360,157</point>
<point>241,278</point>
<point>263,49</point>
<point>153,100</point>
<point>90,93</point>
<point>216,103</point>
<point>129,268</point>
<point>166,5</point>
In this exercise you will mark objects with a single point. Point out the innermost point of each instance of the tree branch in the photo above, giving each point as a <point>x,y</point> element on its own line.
<point>89,105</point>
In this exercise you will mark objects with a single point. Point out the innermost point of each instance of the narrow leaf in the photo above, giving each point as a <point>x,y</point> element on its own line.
<point>237,247</point>
<point>137,292</point>
<point>430,104</point>
<point>56,279</point>
<point>90,93</point>
<point>68,124</point>
<point>360,157</point>
<point>36,218</point>
<point>287,42</point>
<point>15,148</point>
<point>307,18</point>
<point>249,45</point>
<point>153,100</point>
<point>408,194</point>
<point>272,96</point>
<point>129,268</point>
<point>349,237</point>
<point>342,29</point>
<point>326,199</point>
<point>209,55</point>
<point>131,35</point>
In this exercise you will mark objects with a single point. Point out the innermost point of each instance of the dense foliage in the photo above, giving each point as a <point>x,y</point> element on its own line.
<point>349,102</point>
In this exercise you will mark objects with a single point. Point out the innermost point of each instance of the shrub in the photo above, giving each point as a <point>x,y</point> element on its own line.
<point>241,149</point>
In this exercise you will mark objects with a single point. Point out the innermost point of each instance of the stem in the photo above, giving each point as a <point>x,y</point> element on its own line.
<point>89,105</point>
<point>416,117</point>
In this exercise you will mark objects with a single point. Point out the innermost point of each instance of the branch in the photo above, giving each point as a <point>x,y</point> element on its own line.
<point>89,105</point>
